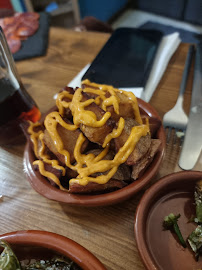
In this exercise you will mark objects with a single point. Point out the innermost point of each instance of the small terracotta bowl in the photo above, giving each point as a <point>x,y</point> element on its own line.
<point>159,248</point>
<point>42,186</point>
<point>44,245</point>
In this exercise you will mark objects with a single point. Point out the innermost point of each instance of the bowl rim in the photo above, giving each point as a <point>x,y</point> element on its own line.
<point>41,185</point>
<point>59,243</point>
<point>145,204</point>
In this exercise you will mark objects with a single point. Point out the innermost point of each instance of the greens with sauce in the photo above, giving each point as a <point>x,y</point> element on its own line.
<point>9,261</point>
<point>195,237</point>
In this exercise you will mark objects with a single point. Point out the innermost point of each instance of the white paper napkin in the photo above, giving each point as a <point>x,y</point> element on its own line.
<point>165,51</point>
<point>167,47</point>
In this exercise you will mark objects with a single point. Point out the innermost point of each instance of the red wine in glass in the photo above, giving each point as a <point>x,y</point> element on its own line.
<point>16,105</point>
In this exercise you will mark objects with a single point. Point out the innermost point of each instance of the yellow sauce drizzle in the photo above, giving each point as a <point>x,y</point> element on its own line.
<point>115,132</point>
<point>63,104</point>
<point>133,98</point>
<point>88,164</point>
<point>42,148</point>
<point>112,100</point>
<point>54,118</point>
<point>82,116</point>
<point>48,174</point>
<point>34,135</point>
<point>130,95</point>
<point>51,122</point>
<point>104,165</point>
<point>54,163</point>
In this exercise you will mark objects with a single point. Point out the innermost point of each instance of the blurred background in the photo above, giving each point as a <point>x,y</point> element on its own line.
<point>105,16</point>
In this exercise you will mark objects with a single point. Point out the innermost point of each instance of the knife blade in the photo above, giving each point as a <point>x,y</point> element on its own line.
<point>192,145</point>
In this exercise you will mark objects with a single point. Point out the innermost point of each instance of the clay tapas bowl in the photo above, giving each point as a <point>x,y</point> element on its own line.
<point>41,245</point>
<point>42,186</point>
<point>159,248</point>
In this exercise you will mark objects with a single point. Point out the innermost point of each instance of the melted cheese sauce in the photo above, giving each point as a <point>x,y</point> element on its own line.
<point>87,164</point>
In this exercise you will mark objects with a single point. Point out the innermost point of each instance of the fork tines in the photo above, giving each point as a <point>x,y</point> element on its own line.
<point>174,136</point>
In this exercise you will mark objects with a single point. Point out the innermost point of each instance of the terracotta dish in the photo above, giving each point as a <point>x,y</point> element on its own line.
<point>42,186</point>
<point>159,248</point>
<point>44,245</point>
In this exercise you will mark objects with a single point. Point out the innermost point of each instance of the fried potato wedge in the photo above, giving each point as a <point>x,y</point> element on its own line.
<point>50,169</point>
<point>94,188</point>
<point>67,111</point>
<point>35,147</point>
<point>141,147</point>
<point>123,172</point>
<point>117,181</point>
<point>98,134</point>
<point>104,148</point>
<point>140,167</point>
<point>69,139</point>
<point>154,125</point>
<point>125,105</point>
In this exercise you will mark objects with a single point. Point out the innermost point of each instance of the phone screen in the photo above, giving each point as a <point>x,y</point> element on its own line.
<point>126,59</point>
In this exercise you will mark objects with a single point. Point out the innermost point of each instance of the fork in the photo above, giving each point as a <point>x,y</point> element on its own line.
<point>176,119</point>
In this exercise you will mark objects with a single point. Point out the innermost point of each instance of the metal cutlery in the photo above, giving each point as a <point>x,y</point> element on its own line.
<point>192,146</point>
<point>176,118</point>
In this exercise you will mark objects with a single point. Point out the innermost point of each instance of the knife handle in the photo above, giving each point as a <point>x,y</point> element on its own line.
<point>192,145</point>
<point>198,63</point>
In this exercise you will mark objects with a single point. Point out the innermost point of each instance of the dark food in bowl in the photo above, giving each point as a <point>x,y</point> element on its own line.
<point>195,241</point>
<point>198,201</point>
<point>9,261</point>
<point>195,238</point>
<point>96,140</point>
<point>34,245</point>
<point>160,249</point>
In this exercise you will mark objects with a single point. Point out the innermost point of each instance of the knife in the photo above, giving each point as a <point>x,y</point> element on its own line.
<point>192,145</point>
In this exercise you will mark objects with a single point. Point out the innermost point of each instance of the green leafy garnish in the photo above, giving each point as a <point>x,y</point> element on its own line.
<point>198,201</point>
<point>195,241</point>
<point>8,260</point>
<point>170,223</point>
<point>58,263</point>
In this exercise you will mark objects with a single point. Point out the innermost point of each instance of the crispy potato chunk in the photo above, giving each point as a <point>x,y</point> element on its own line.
<point>98,134</point>
<point>25,125</point>
<point>140,167</point>
<point>67,111</point>
<point>141,147</point>
<point>49,168</point>
<point>89,168</point>
<point>123,172</point>
<point>116,182</point>
<point>154,125</point>
<point>91,187</point>
<point>125,105</point>
<point>69,139</point>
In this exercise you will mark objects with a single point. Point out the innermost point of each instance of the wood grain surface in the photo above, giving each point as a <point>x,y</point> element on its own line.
<point>108,232</point>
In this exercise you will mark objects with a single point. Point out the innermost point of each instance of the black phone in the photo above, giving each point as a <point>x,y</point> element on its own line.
<point>126,59</point>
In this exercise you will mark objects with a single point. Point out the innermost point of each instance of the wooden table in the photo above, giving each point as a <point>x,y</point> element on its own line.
<point>106,231</point>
